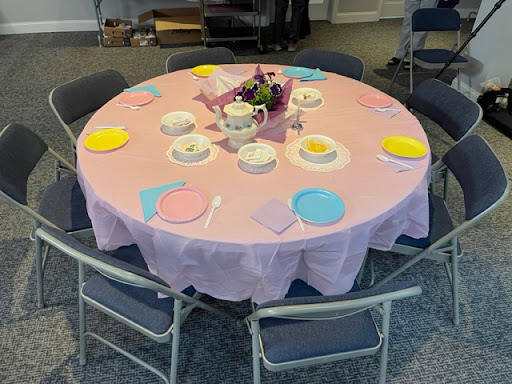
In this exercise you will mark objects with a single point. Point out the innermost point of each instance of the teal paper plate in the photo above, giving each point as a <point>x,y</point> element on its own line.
<point>297,72</point>
<point>318,205</point>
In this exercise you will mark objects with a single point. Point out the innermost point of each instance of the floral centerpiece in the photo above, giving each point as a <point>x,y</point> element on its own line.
<point>261,88</point>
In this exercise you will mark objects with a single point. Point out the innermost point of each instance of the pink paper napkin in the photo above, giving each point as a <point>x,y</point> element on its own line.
<point>274,215</point>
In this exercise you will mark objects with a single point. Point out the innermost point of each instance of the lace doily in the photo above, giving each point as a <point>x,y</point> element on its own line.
<point>177,158</point>
<point>265,169</point>
<point>338,160</point>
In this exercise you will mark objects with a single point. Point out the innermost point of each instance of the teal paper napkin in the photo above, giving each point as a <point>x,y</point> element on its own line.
<point>149,196</point>
<point>317,75</point>
<point>150,88</point>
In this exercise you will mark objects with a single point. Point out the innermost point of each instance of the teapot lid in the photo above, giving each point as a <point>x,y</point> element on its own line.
<point>238,108</point>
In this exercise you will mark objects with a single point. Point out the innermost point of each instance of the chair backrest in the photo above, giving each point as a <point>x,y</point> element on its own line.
<point>334,306</point>
<point>79,97</point>
<point>456,114</point>
<point>435,19</point>
<point>190,59</point>
<point>336,62</point>
<point>20,151</point>
<point>480,174</point>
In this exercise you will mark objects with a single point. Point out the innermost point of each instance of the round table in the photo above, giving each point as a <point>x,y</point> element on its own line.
<point>236,257</point>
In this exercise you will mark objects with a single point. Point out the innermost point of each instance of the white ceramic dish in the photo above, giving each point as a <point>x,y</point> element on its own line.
<point>313,156</point>
<point>180,121</point>
<point>307,97</point>
<point>256,162</point>
<point>183,143</point>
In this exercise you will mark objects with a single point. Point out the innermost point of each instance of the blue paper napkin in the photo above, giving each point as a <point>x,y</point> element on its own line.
<point>317,75</point>
<point>149,196</point>
<point>150,88</point>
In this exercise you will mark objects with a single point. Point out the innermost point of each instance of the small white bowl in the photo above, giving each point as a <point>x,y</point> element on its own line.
<point>179,122</point>
<point>311,155</point>
<point>244,152</point>
<point>182,143</point>
<point>308,97</point>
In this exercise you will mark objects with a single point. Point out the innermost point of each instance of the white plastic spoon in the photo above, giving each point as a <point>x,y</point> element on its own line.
<point>215,204</point>
<point>386,109</point>
<point>194,77</point>
<point>388,160</point>
<point>301,224</point>
<point>132,107</point>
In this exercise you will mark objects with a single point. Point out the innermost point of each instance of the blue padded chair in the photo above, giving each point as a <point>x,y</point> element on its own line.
<point>62,203</point>
<point>456,114</point>
<point>329,61</point>
<point>306,328</point>
<point>428,20</point>
<point>124,289</point>
<point>78,98</point>
<point>190,59</point>
<point>485,187</point>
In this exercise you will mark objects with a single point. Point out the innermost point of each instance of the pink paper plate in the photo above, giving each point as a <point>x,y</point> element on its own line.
<point>180,205</point>
<point>136,98</point>
<point>375,100</point>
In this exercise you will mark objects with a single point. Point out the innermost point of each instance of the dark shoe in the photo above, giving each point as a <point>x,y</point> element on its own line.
<point>393,61</point>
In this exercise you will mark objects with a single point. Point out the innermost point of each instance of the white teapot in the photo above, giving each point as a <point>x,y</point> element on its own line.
<point>239,126</point>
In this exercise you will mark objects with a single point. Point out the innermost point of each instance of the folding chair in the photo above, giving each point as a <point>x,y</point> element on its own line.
<point>428,20</point>
<point>124,289</point>
<point>79,97</point>
<point>190,59</point>
<point>456,114</point>
<point>485,187</point>
<point>306,328</point>
<point>62,203</point>
<point>335,62</point>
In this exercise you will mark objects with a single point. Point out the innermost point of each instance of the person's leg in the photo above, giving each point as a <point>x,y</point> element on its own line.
<point>281,6</point>
<point>295,23</point>
<point>305,28</point>
<point>409,7</point>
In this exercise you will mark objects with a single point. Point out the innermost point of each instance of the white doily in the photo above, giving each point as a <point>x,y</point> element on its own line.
<point>340,158</point>
<point>257,170</point>
<point>176,158</point>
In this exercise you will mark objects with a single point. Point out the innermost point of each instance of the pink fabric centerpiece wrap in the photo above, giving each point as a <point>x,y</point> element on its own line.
<point>279,107</point>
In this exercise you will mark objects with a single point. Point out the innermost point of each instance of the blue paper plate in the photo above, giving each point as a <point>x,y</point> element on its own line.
<point>318,205</point>
<point>297,72</point>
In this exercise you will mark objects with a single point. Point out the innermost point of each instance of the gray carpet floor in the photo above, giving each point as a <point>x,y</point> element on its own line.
<point>41,346</point>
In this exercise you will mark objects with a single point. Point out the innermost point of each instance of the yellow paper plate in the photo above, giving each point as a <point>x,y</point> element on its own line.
<point>404,146</point>
<point>203,70</point>
<point>106,139</point>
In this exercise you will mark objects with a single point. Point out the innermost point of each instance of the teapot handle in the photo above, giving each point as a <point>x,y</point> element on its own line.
<point>262,107</point>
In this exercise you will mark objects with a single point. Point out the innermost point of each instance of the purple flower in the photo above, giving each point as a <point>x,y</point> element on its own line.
<point>259,78</point>
<point>275,89</point>
<point>249,94</point>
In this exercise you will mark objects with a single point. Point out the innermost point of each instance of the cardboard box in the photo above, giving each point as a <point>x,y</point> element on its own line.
<point>109,41</point>
<point>175,25</point>
<point>143,38</point>
<point>117,28</point>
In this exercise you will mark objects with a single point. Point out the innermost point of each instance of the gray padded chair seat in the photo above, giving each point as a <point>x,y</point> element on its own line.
<point>71,216</point>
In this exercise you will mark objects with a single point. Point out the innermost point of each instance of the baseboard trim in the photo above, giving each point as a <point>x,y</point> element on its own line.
<point>356,17</point>
<point>466,90</point>
<point>48,26</point>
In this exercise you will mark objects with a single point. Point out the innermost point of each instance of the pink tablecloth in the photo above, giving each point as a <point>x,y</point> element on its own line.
<point>237,258</point>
